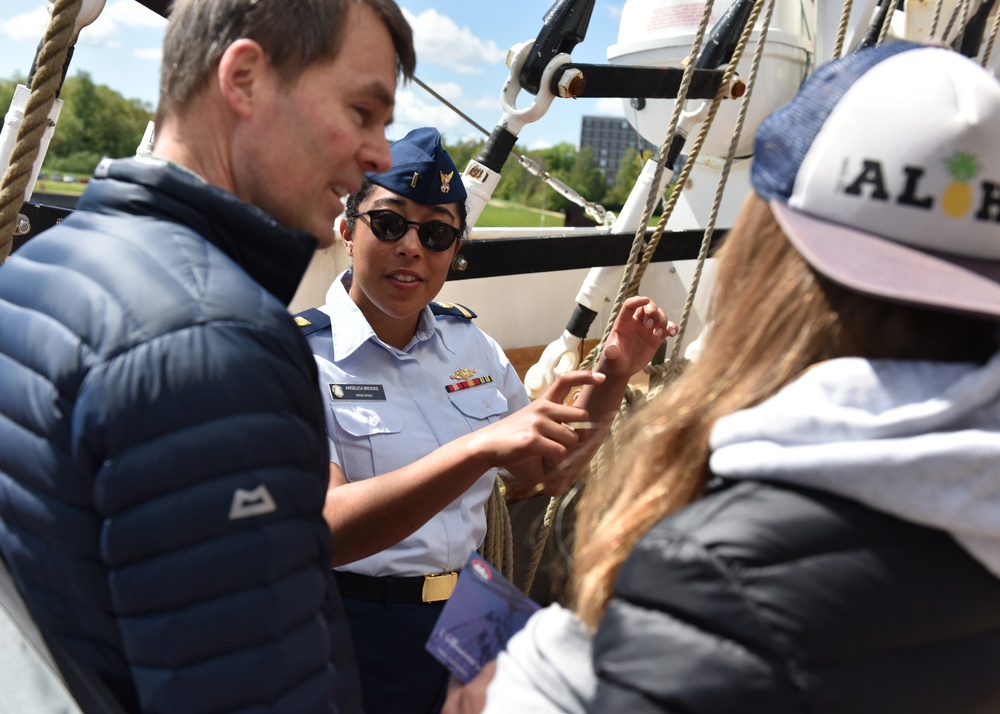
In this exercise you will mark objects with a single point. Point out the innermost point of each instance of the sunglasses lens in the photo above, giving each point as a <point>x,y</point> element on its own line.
<point>437,236</point>
<point>387,225</point>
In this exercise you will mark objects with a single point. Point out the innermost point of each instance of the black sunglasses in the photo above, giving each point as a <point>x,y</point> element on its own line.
<point>389,226</point>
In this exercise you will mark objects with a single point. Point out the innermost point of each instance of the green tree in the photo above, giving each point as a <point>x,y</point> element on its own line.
<point>463,151</point>
<point>586,177</point>
<point>628,173</point>
<point>7,91</point>
<point>95,122</point>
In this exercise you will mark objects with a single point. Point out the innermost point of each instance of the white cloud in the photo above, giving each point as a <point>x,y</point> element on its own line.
<point>490,101</point>
<point>104,31</point>
<point>438,40</point>
<point>452,91</point>
<point>27,27</point>
<point>100,34</point>
<point>615,11</point>
<point>132,14</point>
<point>414,110</point>
<point>539,144</point>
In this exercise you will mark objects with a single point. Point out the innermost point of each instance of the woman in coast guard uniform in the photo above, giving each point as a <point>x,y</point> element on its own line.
<point>422,408</point>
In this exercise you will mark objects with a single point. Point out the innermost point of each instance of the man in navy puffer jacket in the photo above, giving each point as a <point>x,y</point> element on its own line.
<point>163,459</point>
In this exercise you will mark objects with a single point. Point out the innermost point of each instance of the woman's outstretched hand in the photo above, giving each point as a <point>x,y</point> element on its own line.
<point>639,330</point>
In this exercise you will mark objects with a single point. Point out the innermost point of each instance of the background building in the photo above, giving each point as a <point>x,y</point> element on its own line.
<point>609,138</point>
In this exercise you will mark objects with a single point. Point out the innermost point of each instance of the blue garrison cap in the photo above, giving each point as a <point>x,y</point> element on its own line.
<point>421,170</point>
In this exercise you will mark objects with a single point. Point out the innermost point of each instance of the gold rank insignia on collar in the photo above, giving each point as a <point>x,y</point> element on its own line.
<point>463,373</point>
<point>413,181</point>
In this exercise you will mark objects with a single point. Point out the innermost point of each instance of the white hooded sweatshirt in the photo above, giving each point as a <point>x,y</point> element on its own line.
<point>917,440</point>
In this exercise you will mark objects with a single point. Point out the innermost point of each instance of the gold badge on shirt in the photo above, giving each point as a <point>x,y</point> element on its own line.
<point>463,373</point>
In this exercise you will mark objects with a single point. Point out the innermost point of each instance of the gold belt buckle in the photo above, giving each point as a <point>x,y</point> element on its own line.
<point>439,587</point>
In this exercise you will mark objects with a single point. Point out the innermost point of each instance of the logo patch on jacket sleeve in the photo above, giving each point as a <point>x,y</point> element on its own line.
<point>256,502</point>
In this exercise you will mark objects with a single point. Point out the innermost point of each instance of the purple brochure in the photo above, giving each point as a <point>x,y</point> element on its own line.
<point>478,619</point>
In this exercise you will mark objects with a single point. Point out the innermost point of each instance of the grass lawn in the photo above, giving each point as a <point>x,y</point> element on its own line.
<point>49,186</point>
<point>501,214</point>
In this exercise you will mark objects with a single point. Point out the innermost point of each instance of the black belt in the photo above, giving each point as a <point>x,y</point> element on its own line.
<point>390,589</point>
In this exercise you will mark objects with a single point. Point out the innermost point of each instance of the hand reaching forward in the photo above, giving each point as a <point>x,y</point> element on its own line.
<point>638,331</point>
<point>538,434</point>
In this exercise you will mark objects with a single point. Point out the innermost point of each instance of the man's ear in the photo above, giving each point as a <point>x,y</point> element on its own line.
<point>243,73</point>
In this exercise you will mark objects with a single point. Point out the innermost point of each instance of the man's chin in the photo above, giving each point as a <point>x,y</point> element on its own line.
<point>325,239</point>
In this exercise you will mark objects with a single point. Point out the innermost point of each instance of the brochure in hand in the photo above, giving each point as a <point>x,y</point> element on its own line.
<point>484,611</point>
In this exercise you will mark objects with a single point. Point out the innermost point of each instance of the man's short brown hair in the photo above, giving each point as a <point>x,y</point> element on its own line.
<point>294,33</point>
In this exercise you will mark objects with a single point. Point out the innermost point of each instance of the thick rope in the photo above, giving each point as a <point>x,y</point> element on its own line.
<point>957,21</point>
<point>686,171</point>
<point>637,241</point>
<point>887,22</point>
<point>935,19</point>
<point>498,545</point>
<point>845,17</point>
<point>632,277</point>
<point>653,196</point>
<point>993,36</point>
<point>719,190</point>
<point>688,167</point>
<point>44,87</point>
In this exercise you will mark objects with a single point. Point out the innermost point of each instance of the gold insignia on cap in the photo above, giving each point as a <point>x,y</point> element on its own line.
<point>446,181</point>
<point>463,373</point>
<point>413,181</point>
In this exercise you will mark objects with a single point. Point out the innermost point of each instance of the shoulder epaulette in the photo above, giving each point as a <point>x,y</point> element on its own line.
<point>311,320</point>
<point>452,309</point>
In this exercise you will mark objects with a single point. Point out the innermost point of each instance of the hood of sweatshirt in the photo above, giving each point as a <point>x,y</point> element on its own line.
<point>917,440</point>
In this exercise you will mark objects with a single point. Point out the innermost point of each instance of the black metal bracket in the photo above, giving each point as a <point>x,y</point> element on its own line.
<point>495,257</point>
<point>40,217</point>
<point>627,81</point>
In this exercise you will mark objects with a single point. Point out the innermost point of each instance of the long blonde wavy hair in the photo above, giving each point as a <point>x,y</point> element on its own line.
<point>773,317</point>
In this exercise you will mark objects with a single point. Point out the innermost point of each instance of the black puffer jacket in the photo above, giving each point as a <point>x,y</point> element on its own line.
<point>764,598</point>
<point>163,458</point>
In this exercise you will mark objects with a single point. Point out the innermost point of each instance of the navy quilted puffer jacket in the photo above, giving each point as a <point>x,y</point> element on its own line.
<point>163,460</point>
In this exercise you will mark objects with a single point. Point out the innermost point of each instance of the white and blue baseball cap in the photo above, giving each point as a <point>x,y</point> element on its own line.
<point>884,172</point>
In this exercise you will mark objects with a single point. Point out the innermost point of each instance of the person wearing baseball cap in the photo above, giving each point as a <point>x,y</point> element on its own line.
<point>422,410</point>
<point>809,518</point>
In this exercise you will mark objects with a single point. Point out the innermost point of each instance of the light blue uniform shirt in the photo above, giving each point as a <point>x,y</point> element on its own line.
<point>386,408</point>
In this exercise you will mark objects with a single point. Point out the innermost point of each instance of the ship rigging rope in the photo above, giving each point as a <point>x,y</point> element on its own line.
<point>630,282</point>
<point>935,19</point>
<point>845,17</point>
<point>887,21</point>
<point>993,37</point>
<point>45,86</point>
<point>961,14</point>
<point>672,363</point>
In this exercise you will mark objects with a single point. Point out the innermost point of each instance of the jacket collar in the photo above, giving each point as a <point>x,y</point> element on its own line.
<point>276,257</point>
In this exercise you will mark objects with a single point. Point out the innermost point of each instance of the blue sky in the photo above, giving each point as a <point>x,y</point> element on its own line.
<point>461,51</point>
